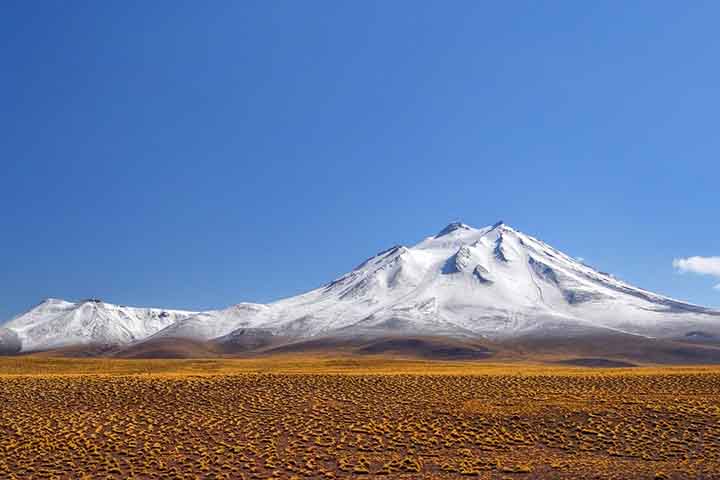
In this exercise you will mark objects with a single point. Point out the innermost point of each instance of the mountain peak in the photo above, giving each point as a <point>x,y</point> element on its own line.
<point>452,227</point>
<point>53,301</point>
<point>491,282</point>
<point>96,301</point>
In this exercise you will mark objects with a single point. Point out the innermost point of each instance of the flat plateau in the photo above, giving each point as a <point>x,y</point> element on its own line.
<point>305,416</point>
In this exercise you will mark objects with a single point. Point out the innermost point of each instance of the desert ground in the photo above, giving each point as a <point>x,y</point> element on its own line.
<point>309,417</point>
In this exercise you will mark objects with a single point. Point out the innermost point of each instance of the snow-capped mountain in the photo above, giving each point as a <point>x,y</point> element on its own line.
<point>493,282</point>
<point>215,323</point>
<point>57,323</point>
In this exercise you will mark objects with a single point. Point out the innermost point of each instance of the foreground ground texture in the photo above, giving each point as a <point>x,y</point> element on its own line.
<point>345,418</point>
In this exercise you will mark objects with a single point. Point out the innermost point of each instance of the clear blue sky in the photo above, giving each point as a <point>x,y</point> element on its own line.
<point>199,154</point>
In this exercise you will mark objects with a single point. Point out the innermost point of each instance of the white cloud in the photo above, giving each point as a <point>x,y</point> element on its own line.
<point>701,265</point>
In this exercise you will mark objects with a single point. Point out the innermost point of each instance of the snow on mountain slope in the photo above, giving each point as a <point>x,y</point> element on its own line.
<point>493,281</point>
<point>215,323</point>
<point>9,342</point>
<point>57,323</point>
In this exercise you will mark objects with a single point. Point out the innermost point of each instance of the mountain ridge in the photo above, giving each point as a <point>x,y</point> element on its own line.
<point>492,282</point>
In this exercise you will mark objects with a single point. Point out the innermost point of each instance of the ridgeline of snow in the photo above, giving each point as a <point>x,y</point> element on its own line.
<point>57,323</point>
<point>494,281</point>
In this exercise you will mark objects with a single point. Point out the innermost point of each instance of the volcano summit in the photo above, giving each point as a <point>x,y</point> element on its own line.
<point>493,283</point>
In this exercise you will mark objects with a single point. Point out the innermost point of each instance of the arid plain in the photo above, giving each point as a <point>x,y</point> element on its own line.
<point>311,417</point>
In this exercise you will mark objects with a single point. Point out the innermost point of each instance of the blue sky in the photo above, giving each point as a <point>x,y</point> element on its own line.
<point>199,154</point>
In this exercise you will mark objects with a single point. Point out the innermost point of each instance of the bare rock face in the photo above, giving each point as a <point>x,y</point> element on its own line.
<point>9,342</point>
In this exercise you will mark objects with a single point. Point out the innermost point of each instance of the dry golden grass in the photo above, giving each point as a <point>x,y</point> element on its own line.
<point>306,418</point>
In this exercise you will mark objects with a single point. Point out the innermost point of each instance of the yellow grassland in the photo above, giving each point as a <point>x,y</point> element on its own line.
<point>312,364</point>
<point>308,417</point>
